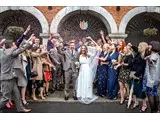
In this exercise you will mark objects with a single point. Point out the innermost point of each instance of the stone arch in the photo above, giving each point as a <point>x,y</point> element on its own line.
<point>134,12</point>
<point>103,14</point>
<point>35,12</point>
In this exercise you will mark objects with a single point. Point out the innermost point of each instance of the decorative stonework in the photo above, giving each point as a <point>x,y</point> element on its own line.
<point>134,12</point>
<point>101,13</point>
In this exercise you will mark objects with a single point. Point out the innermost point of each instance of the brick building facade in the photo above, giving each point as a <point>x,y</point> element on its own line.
<point>116,19</point>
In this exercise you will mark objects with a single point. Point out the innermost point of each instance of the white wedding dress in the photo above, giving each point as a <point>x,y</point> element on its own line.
<point>88,66</point>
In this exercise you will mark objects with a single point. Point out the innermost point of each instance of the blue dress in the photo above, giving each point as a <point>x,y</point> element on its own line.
<point>112,83</point>
<point>102,76</point>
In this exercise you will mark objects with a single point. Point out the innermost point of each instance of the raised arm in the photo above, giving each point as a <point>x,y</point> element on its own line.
<point>98,47</point>
<point>102,36</point>
<point>19,41</point>
<point>16,52</point>
<point>27,45</point>
<point>92,40</point>
<point>1,42</point>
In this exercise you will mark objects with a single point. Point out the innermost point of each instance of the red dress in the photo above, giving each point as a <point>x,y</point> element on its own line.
<point>47,76</point>
<point>46,69</point>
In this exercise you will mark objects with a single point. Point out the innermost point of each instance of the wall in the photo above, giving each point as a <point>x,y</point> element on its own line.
<point>49,14</point>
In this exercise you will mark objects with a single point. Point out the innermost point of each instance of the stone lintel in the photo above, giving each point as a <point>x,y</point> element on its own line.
<point>118,36</point>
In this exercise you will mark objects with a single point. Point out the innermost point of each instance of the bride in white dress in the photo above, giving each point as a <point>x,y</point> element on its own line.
<point>88,65</point>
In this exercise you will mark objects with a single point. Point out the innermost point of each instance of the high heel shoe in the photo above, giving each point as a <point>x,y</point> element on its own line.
<point>121,103</point>
<point>8,106</point>
<point>25,103</point>
<point>143,108</point>
<point>34,98</point>
<point>42,97</point>
<point>135,105</point>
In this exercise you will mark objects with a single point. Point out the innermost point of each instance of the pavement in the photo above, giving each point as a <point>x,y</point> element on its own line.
<point>75,107</point>
<point>55,103</point>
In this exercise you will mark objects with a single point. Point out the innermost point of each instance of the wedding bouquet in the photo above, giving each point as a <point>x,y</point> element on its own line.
<point>112,65</point>
<point>77,66</point>
<point>113,61</point>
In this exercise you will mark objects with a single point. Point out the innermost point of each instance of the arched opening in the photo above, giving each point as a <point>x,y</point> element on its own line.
<point>19,18</point>
<point>95,12</point>
<point>69,26</point>
<point>136,26</point>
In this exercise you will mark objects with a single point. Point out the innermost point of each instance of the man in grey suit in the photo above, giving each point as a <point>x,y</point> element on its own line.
<point>56,60</point>
<point>1,53</point>
<point>69,66</point>
<point>8,77</point>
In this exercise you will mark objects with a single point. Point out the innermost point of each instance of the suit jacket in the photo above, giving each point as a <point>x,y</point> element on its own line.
<point>55,57</point>
<point>69,60</point>
<point>7,61</point>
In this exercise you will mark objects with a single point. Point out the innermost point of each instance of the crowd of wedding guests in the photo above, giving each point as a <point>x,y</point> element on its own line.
<point>39,70</point>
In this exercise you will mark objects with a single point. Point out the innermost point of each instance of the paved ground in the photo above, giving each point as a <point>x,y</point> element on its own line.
<point>74,107</point>
<point>55,103</point>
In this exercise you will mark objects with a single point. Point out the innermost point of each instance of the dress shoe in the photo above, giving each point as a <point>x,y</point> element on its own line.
<point>25,111</point>
<point>66,98</point>
<point>75,98</point>
<point>47,94</point>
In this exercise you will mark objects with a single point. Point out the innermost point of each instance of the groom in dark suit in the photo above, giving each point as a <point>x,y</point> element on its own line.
<point>69,66</point>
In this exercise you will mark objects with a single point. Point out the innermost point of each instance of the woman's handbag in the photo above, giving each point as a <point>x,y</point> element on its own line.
<point>34,74</point>
<point>132,75</point>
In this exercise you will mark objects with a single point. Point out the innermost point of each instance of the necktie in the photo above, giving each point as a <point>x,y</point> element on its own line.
<point>72,53</point>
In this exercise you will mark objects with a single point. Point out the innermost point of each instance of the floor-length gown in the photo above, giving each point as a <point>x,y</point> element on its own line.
<point>112,83</point>
<point>85,80</point>
<point>102,76</point>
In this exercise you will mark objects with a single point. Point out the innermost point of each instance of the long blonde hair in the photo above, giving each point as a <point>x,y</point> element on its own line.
<point>143,46</point>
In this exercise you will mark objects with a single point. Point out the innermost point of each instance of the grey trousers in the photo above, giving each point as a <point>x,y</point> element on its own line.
<point>70,75</point>
<point>56,77</point>
<point>9,88</point>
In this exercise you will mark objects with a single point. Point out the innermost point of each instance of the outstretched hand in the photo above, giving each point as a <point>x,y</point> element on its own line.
<point>32,38</point>
<point>27,30</point>
<point>101,32</point>
<point>2,41</point>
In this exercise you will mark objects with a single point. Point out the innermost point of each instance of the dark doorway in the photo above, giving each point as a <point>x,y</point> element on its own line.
<point>19,18</point>
<point>69,27</point>
<point>137,25</point>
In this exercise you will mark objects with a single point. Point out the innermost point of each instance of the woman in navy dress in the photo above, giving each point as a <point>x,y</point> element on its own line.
<point>102,72</point>
<point>114,58</point>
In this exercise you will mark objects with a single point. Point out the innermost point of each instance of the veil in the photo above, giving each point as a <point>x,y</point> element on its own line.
<point>94,55</point>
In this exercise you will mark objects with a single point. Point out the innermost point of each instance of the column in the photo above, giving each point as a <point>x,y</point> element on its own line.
<point>45,37</point>
<point>117,36</point>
